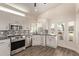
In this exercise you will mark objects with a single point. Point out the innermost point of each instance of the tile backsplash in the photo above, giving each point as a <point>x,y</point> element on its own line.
<point>3,33</point>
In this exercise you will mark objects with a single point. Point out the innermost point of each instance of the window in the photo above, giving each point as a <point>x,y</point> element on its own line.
<point>71,30</point>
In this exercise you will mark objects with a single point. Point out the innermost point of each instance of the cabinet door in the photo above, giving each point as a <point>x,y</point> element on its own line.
<point>5,48</point>
<point>43,40</point>
<point>48,41</point>
<point>36,40</point>
<point>28,41</point>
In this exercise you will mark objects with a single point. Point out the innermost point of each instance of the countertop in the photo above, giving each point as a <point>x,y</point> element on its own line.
<point>3,38</point>
<point>45,34</point>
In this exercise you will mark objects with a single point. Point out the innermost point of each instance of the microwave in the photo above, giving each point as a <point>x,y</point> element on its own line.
<point>15,27</point>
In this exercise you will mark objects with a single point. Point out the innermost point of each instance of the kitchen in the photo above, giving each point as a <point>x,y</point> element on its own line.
<point>27,27</point>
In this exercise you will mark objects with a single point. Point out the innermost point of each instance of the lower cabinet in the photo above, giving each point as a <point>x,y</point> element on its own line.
<point>48,40</point>
<point>5,47</point>
<point>28,41</point>
<point>51,41</point>
<point>36,40</point>
<point>43,43</point>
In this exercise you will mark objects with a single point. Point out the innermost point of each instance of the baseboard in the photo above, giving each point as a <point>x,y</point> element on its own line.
<point>28,46</point>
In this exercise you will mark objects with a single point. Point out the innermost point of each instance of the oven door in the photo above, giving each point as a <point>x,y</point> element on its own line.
<point>17,44</point>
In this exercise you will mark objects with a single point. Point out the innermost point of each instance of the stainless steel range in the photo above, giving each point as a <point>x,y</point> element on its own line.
<point>17,44</point>
<point>17,39</point>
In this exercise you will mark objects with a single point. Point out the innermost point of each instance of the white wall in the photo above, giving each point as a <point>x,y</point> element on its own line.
<point>62,14</point>
<point>77,25</point>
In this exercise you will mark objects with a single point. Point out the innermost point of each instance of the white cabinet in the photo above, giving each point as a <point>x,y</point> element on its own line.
<point>5,47</point>
<point>43,40</point>
<point>28,41</point>
<point>51,41</point>
<point>36,40</point>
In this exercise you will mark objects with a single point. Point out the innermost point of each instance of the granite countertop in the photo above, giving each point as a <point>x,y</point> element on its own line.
<point>3,38</point>
<point>45,34</point>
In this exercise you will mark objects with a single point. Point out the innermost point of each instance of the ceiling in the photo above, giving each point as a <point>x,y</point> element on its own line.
<point>39,9</point>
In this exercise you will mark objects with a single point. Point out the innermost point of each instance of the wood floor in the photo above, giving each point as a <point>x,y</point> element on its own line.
<point>46,51</point>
